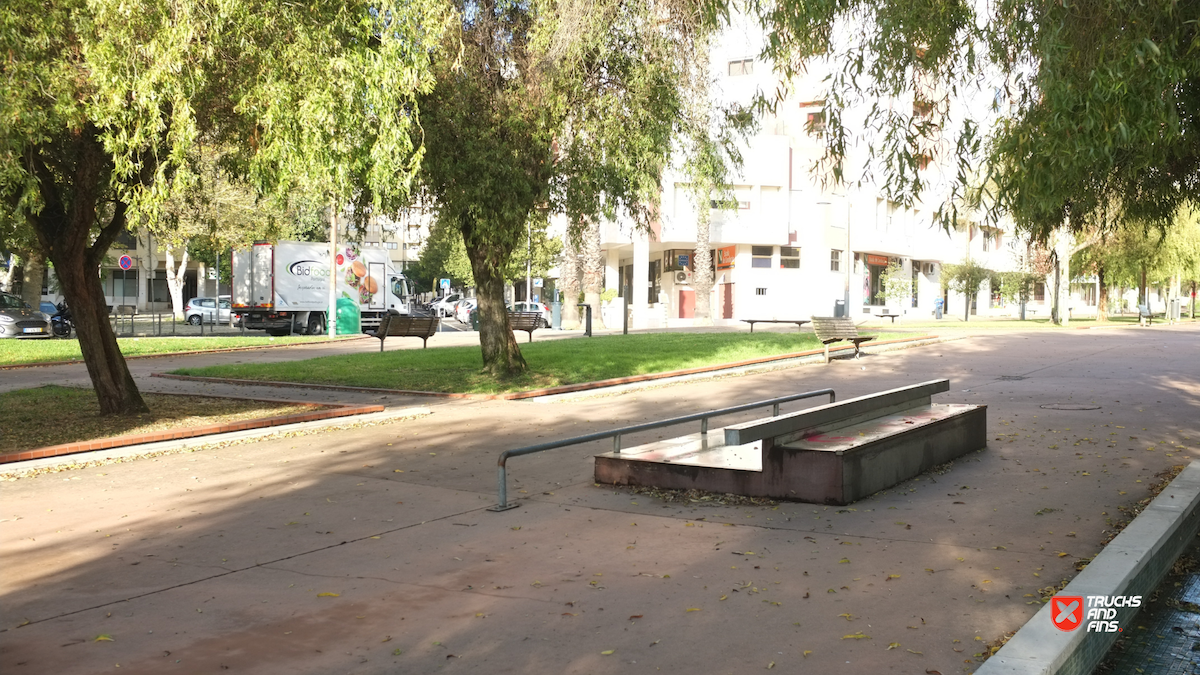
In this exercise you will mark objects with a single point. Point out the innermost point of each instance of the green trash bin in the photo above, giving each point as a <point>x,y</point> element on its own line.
<point>475,319</point>
<point>349,319</point>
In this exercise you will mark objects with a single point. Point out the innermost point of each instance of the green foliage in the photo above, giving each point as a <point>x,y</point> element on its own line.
<point>966,278</point>
<point>1017,287</point>
<point>896,284</point>
<point>1096,104</point>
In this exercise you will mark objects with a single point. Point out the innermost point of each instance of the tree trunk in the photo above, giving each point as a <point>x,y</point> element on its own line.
<point>501,354</point>
<point>175,278</point>
<point>1143,289</point>
<point>31,282</point>
<point>64,231</point>
<point>569,283</point>
<point>1101,296</point>
<point>593,271</point>
<point>1062,276</point>
<point>11,273</point>
<point>702,268</point>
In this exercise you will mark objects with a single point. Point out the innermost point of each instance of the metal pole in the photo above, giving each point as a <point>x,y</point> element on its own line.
<point>331,321</point>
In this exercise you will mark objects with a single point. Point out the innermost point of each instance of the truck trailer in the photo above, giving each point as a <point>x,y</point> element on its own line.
<point>283,287</point>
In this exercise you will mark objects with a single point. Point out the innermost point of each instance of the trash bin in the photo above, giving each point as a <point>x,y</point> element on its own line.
<point>349,318</point>
<point>556,315</point>
<point>839,308</point>
<point>937,308</point>
<point>474,314</point>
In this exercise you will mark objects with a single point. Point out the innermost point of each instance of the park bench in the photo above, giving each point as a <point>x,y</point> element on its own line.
<point>831,454</point>
<point>888,315</point>
<point>396,325</point>
<point>799,322</point>
<point>830,329</point>
<point>526,321</point>
<point>1145,315</point>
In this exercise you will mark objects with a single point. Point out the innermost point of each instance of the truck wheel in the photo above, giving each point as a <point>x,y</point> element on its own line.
<point>316,324</point>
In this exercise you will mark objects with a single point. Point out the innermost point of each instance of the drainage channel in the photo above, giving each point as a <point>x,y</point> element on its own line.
<point>1165,636</point>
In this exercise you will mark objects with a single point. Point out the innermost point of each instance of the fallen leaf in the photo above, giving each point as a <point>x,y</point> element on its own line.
<point>910,651</point>
<point>328,595</point>
<point>893,576</point>
<point>397,652</point>
<point>693,609</point>
<point>847,616</point>
<point>843,560</point>
<point>634,616</point>
<point>103,638</point>
<point>724,597</point>
<point>892,645</point>
<point>856,636</point>
<point>770,665</point>
<point>607,652</point>
<point>806,653</point>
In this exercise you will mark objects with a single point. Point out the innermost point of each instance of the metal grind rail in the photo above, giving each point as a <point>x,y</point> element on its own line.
<point>615,434</point>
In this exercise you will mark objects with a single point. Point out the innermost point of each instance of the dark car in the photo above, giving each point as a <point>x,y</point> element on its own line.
<point>18,319</point>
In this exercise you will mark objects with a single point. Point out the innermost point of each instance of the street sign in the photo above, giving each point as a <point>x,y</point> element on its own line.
<point>125,262</point>
<point>537,282</point>
<point>445,283</point>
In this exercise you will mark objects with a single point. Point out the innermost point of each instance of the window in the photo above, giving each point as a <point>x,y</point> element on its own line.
<point>789,258</point>
<point>835,260</point>
<point>741,67</point>
<point>760,291</point>
<point>391,245</point>
<point>815,121</point>
<point>762,256</point>
<point>1039,292</point>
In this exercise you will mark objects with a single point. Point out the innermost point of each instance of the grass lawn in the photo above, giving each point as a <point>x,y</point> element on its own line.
<point>39,351</point>
<point>551,363</point>
<point>50,415</point>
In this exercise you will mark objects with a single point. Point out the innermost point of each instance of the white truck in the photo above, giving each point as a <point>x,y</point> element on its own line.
<point>283,287</point>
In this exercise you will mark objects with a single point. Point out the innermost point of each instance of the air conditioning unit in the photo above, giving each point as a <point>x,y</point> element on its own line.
<point>683,277</point>
<point>928,268</point>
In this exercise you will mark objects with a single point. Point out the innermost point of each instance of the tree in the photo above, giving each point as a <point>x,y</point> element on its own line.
<point>896,284</point>
<point>104,103</point>
<point>966,278</point>
<point>568,283</point>
<point>540,108</point>
<point>1096,104</point>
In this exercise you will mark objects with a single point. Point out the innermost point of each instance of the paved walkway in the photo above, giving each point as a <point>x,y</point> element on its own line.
<point>370,550</point>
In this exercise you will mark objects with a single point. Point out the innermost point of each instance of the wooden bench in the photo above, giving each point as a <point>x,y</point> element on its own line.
<point>1144,314</point>
<point>394,324</point>
<point>830,329</point>
<point>526,321</point>
<point>799,322</point>
<point>831,454</point>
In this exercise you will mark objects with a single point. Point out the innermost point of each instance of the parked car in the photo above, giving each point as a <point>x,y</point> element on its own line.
<point>462,311</point>
<point>208,310</point>
<point>48,308</point>
<point>445,306</point>
<point>18,319</point>
<point>530,306</point>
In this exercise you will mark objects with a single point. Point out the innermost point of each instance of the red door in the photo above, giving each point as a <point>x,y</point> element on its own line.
<point>726,301</point>
<point>687,304</point>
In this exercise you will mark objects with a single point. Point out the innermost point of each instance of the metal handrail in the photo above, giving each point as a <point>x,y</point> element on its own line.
<point>615,434</point>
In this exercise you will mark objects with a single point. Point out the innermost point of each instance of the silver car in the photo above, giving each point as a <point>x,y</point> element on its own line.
<point>18,319</point>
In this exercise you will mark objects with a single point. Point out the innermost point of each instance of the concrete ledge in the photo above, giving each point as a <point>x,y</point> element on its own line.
<point>1132,564</point>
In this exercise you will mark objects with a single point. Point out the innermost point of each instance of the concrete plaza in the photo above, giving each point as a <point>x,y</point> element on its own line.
<point>370,550</point>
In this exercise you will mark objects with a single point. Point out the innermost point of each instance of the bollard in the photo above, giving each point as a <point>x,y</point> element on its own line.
<point>587,320</point>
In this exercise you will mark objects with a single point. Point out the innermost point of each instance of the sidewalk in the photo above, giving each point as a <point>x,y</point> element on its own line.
<point>230,558</point>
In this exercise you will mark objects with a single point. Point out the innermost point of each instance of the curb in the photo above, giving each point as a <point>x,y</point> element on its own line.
<point>43,364</point>
<point>201,441</point>
<point>550,391</point>
<point>1132,564</point>
<point>337,410</point>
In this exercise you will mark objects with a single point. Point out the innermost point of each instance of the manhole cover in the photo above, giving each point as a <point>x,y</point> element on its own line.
<point>1012,378</point>
<point>1070,406</point>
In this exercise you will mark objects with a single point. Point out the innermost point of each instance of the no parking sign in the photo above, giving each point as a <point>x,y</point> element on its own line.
<point>125,262</point>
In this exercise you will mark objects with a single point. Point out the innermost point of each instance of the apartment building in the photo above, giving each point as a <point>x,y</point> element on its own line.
<point>786,244</point>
